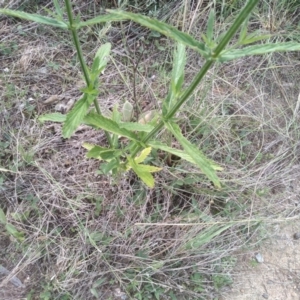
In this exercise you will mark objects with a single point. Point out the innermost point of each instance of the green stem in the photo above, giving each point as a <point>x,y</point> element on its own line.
<point>73,29</point>
<point>188,92</point>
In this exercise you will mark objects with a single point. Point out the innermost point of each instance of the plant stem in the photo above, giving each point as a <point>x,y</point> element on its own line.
<point>210,61</point>
<point>73,29</point>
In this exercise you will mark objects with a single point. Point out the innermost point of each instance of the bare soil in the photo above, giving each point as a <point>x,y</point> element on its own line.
<point>278,276</point>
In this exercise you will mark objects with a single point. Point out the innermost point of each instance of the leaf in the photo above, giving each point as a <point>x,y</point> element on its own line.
<point>76,115</point>
<point>210,26</point>
<point>100,60</point>
<point>180,153</point>
<point>206,236</point>
<point>54,117</point>
<point>108,125</point>
<point>110,166</point>
<point>116,117</point>
<point>148,168</point>
<point>244,30</point>
<point>177,79</point>
<point>198,157</point>
<point>103,153</point>
<point>35,18</point>
<point>163,28</point>
<point>100,19</point>
<point>94,293</point>
<point>145,176</point>
<point>127,111</point>
<point>2,217</point>
<point>254,37</point>
<point>57,8</point>
<point>136,126</point>
<point>258,50</point>
<point>87,146</point>
<point>144,154</point>
<point>147,116</point>
<point>11,229</point>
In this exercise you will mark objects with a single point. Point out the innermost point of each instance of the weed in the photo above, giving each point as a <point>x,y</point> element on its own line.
<point>118,159</point>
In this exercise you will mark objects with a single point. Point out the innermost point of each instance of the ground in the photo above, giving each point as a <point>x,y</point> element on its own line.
<point>278,276</point>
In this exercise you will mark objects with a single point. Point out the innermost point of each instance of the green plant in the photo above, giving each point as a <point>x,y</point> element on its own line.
<point>11,229</point>
<point>142,134</point>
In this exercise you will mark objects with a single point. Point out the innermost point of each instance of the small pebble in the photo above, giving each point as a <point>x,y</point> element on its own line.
<point>265,296</point>
<point>259,258</point>
<point>297,236</point>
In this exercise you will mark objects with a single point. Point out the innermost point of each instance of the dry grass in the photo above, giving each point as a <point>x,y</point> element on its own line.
<point>85,233</point>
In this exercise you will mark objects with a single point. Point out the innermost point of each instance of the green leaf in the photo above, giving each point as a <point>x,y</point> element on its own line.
<point>103,153</point>
<point>254,37</point>
<point>177,79</point>
<point>144,154</point>
<point>244,30</point>
<point>210,26</point>
<point>2,217</point>
<point>198,157</point>
<point>110,166</point>
<point>206,236</point>
<point>100,19</point>
<point>136,126</point>
<point>76,115</point>
<point>116,117</point>
<point>258,50</point>
<point>143,174</point>
<point>163,28</point>
<point>100,60</point>
<point>179,153</point>
<point>54,117</point>
<point>57,8</point>
<point>108,125</point>
<point>127,111</point>
<point>11,229</point>
<point>34,17</point>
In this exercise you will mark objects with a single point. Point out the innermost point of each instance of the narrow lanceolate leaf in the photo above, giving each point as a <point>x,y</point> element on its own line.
<point>244,30</point>
<point>2,217</point>
<point>76,115</point>
<point>101,59</point>
<point>34,17</point>
<point>254,37</point>
<point>180,153</point>
<point>258,50</point>
<point>162,28</point>
<point>108,125</point>
<point>58,9</point>
<point>177,79</point>
<point>210,26</point>
<point>100,19</point>
<point>198,157</point>
<point>136,126</point>
<point>205,236</point>
<point>54,117</point>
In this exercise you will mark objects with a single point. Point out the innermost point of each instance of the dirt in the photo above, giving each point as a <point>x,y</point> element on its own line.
<point>278,276</point>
